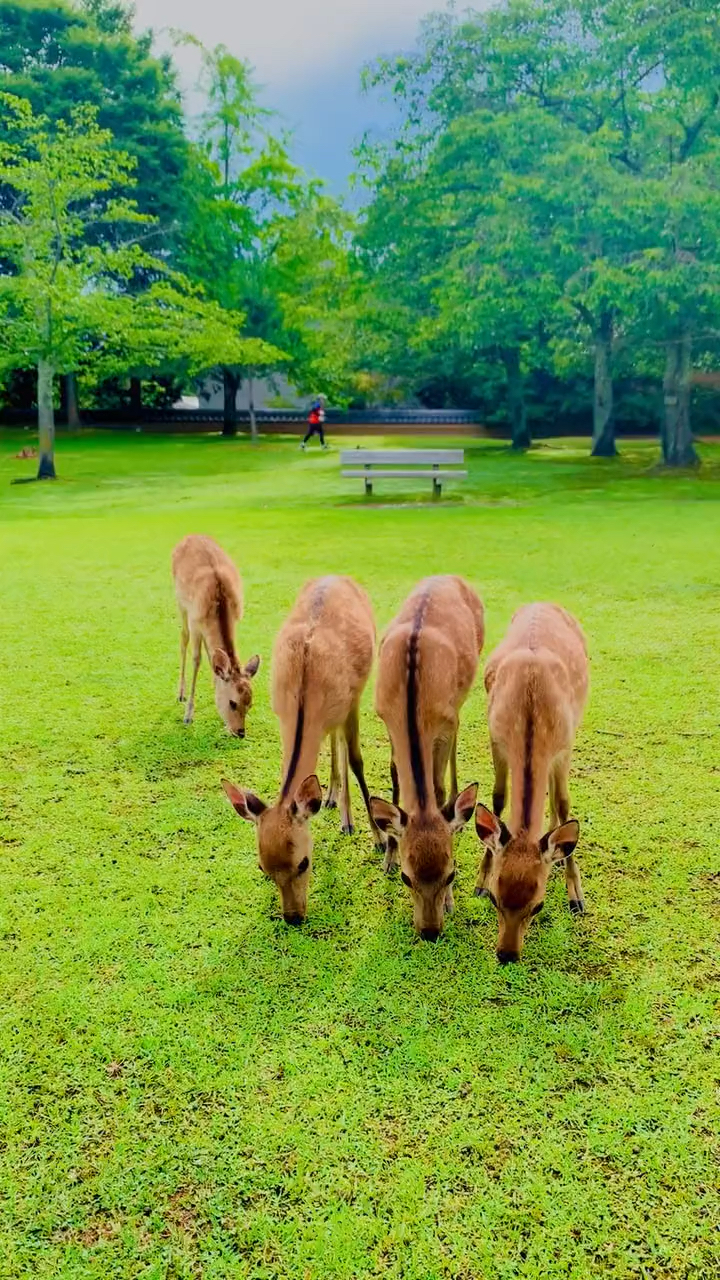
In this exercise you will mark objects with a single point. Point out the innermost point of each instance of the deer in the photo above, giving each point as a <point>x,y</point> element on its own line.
<point>209,595</point>
<point>321,663</point>
<point>537,685</point>
<point>427,664</point>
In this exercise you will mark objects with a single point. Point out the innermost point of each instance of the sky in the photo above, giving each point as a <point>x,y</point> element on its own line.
<point>307,55</point>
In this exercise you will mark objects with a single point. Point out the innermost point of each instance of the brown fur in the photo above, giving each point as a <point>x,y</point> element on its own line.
<point>210,599</point>
<point>537,684</point>
<point>321,663</point>
<point>427,664</point>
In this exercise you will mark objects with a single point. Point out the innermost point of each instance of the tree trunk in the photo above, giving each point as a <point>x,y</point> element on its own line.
<point>231,386</point>
<point>251,406</point>
<point>677,442</point>
<point>603,445</point>
<point>136,405</point>
<point>46,421</point>
<point>521,438</point>
<point>72,409</point>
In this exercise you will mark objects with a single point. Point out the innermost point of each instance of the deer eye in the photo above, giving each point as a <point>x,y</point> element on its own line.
<point>538,907</point>
<point>451,877</point>
<point>406,879</point>
<point>303,866</point>
<point>233,705</point>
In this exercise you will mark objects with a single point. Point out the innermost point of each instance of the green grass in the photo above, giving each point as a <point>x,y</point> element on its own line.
<point>190,1089</point>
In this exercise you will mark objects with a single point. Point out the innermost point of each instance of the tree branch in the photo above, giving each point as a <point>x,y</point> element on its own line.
<point>693,131</point>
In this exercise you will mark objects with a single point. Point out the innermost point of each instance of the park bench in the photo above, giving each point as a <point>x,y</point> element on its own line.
<point>401,464</point>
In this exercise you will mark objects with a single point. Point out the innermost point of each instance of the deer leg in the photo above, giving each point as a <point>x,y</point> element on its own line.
<point>389,845</point>
<point>453,769</point>
<point>500,784</point>
<point>560,807</point>
<point>346,822</point>
<point>395,781</point>
<point>184,638</point>
<point>441,755</point>
<point>354,755</point>
<point>331,798</point>
<point>196,655</point>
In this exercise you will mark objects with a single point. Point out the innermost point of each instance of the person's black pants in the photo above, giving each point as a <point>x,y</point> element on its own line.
<point>315,428</point>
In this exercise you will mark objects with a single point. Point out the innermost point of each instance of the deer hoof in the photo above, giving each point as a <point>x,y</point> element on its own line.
<point>577,906</point>
<point>330,802</point>
<point>479,892</point>
<point>347,829</point>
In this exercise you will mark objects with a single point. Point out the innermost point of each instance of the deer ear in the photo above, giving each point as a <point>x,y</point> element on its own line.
<point>463,807</point>
<point>244,802</point>
<point>491,830</point>
<point>388,817</point>
<point>252,665</point>
<point>557,845</point>
<point>308,798</point>
<point>487,825</point>
<point>221,664</point>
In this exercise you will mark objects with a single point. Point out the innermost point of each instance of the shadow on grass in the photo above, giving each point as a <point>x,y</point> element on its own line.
<point>170,749</point>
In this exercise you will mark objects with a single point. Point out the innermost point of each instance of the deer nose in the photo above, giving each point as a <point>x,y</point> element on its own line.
<point>239,733</point>
<point>293,918</point>
<point>507,957</point>
<point>429,935</point>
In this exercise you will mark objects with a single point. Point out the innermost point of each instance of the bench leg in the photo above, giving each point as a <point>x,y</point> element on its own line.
<point>368,488</point>
<point>437,489</point>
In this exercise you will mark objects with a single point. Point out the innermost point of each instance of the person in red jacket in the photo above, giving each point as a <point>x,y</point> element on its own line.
<point>316,417</point>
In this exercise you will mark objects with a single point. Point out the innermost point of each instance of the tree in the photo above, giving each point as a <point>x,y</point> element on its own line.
<point>265,241</point>
<point>629,95</point>
<point>310,273</point>
<point>242,175</point>
<point>65,298</point>
<point>55,288</point>
<point>58,56</point>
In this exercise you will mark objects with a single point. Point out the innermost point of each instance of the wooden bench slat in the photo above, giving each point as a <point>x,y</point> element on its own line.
<point>409,457</point>
<point>420,475</point>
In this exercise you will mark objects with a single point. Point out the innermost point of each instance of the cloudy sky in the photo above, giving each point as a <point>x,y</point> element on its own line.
<point>307,55</point>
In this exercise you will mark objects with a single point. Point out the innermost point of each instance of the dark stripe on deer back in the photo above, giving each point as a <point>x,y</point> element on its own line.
<point>416,760</point>
<point>297,744</point>
<point>317,601</point>
<point>527,794</point>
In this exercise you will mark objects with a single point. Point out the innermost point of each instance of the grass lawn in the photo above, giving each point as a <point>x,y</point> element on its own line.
<point>191,1089</point>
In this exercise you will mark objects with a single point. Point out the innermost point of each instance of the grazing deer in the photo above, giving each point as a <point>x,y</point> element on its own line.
<point>426,668</point>
<point>537,684</point>
<point>321,663</point>
<point>210,600</point>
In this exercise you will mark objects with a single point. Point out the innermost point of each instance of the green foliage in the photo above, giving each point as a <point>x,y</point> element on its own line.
<point>59,56</point>
<point>265,240</point>
<point>66,298</point>
<point>61,285</point>
<point>552,192</point>
<point>190,1088</point>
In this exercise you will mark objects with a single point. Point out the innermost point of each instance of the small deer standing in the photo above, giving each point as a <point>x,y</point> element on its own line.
<point>537,684</point>
<point>210,599</point>
<point>321,663</point>
<point>427,664</point>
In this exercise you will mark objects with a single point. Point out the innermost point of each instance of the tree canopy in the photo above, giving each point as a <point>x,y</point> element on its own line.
<point>540,232</point>
<point>66,297</point>
<point>58,56</point>
<point>551,199</point>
